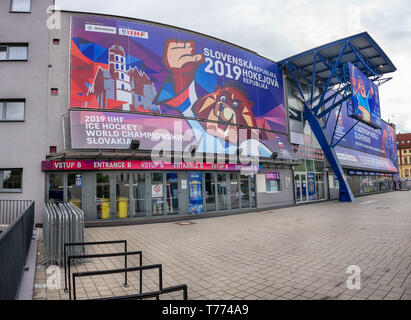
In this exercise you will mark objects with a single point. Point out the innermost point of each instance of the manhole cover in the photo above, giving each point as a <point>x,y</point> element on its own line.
<point>185,223</point>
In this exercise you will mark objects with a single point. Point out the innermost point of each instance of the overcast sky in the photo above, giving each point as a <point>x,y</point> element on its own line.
<point>277,29</point>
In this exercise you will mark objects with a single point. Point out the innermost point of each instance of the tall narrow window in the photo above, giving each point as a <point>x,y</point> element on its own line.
<point>20,6</point>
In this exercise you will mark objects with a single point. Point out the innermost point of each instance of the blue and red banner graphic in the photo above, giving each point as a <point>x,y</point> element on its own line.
<point>123,66</point>
<point>365,98</point>
<point>136,67</point>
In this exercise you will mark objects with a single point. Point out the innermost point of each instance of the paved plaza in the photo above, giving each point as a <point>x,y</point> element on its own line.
<point>300,252</point>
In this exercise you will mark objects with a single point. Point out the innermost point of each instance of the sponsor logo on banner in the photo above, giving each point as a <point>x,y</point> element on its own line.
<point>103,29</point>
<point>133,33</point>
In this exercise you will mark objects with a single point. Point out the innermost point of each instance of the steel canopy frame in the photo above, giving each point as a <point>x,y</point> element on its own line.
<point>314,107</point>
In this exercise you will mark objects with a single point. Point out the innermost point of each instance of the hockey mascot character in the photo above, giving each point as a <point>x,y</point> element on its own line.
<point>227,106</point>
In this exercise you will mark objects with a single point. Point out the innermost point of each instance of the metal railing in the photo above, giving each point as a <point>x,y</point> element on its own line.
<point>62,223</point>
<point>67,246</point>
<point>14,244</point>
<point>10,209</point>
<point>136,296</point>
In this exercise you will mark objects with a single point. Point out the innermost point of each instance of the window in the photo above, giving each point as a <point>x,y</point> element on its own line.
<point>405,160</point>
<point>406,172</point>
<point>54,91</point>
<point>10,52</point>
<point>56,42</point>
<point>12,110</point>
<point>272,185</point>
<point>405,151</point>
<point>20,6</point>
<point>11,180</point>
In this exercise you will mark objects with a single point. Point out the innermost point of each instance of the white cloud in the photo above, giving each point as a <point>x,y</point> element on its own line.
<point>277,29</point>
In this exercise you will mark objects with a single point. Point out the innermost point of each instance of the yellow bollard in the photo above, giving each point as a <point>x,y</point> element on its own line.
<point>76,202</point>
<point>122,207</point>
<point>105,208</point>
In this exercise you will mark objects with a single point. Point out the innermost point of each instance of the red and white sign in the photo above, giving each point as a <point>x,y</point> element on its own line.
<point>143,165</point>
<point>157,190</point>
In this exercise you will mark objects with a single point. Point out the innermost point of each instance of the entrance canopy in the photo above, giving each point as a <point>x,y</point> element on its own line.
<point>363,51</point>
<point>325,68</point>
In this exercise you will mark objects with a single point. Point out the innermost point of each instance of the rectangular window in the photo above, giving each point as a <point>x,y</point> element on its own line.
<point>13,52</point>
<point>272,185</point>
<point>12,110</point>
<point>11,180</point>
<point>20,6</point>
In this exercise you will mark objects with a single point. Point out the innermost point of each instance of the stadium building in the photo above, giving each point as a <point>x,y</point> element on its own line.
<point>133,120</point>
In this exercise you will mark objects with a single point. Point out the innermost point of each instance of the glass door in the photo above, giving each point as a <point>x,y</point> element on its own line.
<point>122,194</point>
<point>303,178</point>
<point>300,187</point>
<point>103,196</point>
<point>297,188</point>
<point>172,193</point>
<point>74,188</point>
<point>244,192</point>
<point>157,193</point>
<point>139,194</point>
<point>210,191</point>
<point>234,194</point>
<point>222,191</point>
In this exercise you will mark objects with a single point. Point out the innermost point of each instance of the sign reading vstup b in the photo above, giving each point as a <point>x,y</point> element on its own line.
<point>365,98</point>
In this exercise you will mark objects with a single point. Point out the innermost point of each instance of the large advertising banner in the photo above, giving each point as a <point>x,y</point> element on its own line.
<point>115,130</point>
<point>362,138</point>
<point>120,65</point>
<point>365,98</point>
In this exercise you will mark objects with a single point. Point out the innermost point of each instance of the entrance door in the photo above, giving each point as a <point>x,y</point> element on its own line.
<point>234,192</point>
<point>103,202</point>
<point>157,193</point>
<point>300,187</point>
<point>210,186</point>
<point>172,193</point>
<point>222,191</point>
<point>244,192</point>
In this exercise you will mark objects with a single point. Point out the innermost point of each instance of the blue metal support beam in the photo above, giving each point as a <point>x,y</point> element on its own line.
<point>346,194</point>
<point>333,106</point>
<point>329,79</point>
<point>330,69</point>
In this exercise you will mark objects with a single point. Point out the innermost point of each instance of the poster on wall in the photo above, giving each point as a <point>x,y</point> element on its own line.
<point>365,98</point>
<point>195,192</point>
<point>127,66</point>
<point>311,186</point>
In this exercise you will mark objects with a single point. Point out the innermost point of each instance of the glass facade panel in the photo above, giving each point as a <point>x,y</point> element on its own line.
<point>234,194</point>
<point>122,195</point>
<point>172,192</point>
<point>139,194</point>
<point>157,193</point>
<point>56,187</point>
<point>74,188</point>
<point>244,192</point>
<point>103,196</point>
<point>210,191</point>
<point>222,194</point>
